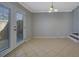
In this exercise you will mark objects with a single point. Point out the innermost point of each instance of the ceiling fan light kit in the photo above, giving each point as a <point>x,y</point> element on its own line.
<point>55,10</point>
<point>52,9</point>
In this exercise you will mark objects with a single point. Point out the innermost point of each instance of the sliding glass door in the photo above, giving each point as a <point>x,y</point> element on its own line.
<point>4,27</point>
<point>19,21</point>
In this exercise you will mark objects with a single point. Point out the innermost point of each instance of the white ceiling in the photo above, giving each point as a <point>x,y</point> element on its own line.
<point>37,7</point>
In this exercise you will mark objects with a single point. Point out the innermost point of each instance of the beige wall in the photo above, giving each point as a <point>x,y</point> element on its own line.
<point>51,24</point>
<point>75,23</point>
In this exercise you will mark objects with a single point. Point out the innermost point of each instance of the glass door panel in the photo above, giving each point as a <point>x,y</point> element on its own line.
<point>19,21</point>
<point>4,27</point>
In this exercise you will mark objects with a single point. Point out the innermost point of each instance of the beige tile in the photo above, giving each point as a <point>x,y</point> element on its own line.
<point>40,52</point>
<point>46,47</point>
<point>31,54</point>
<point>20,54</point>
<point>16,53</point>
<point>51,53</point>
<point>11,54</point>
<point>70,51</point>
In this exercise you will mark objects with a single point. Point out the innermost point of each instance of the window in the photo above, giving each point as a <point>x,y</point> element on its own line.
<point>19,20</point>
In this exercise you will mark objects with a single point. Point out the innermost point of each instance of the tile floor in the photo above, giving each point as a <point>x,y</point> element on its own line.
<point>47,47</point>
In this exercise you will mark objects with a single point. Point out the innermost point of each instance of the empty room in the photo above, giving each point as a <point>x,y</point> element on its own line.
<point>39,29</point>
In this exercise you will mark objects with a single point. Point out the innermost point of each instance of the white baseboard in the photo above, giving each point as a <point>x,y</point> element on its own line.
<point>49,37</point>
<point>29,38</point>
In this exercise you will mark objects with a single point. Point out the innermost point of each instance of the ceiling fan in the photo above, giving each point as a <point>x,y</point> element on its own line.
<point>52,9</point>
